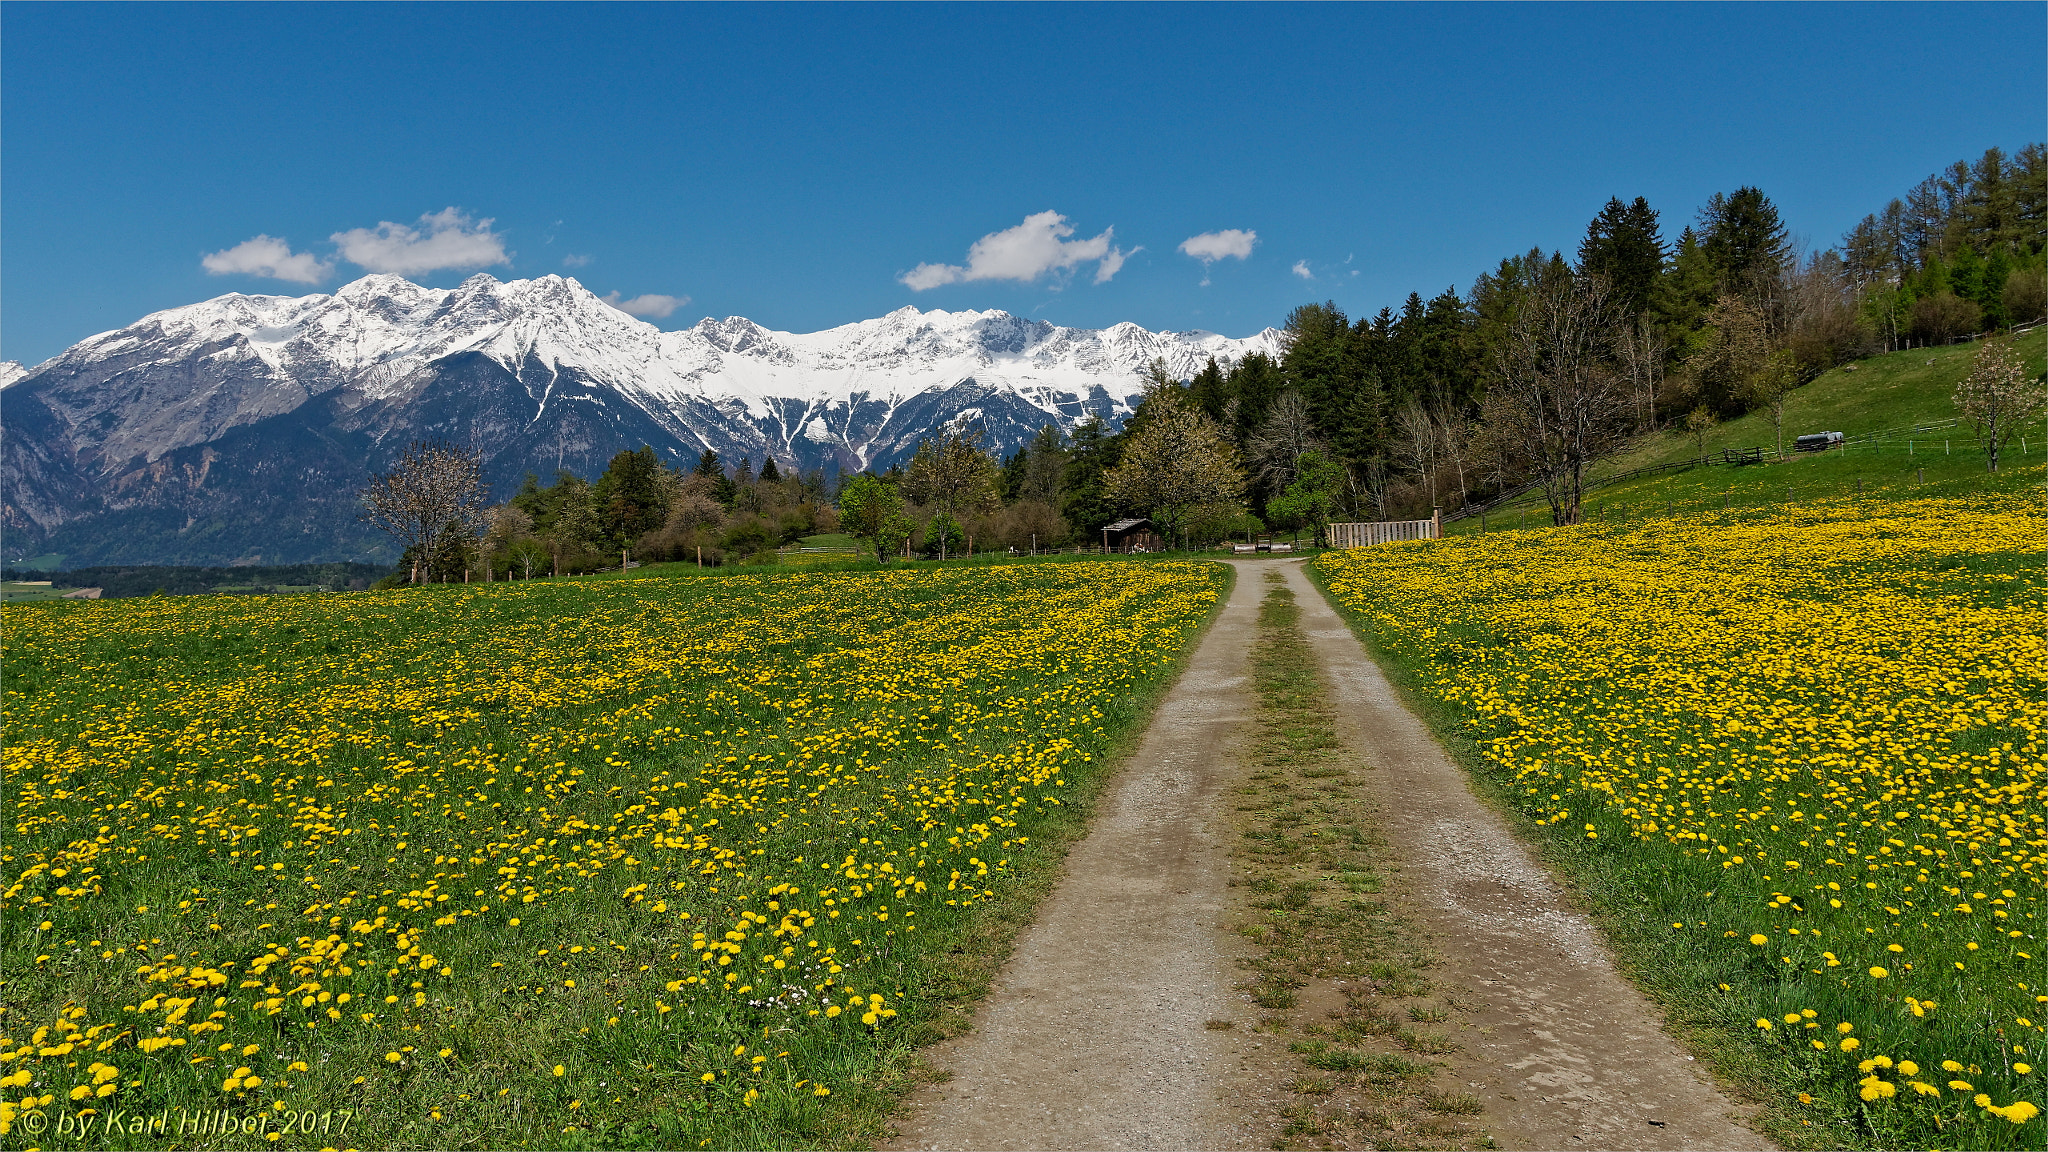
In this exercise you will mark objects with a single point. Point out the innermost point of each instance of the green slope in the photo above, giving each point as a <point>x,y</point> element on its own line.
<point>1877,403</point>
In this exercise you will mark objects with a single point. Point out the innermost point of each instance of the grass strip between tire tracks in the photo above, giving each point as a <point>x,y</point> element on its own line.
<point>1340,973</point>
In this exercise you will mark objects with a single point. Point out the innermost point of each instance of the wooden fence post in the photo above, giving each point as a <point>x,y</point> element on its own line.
<point>1436,523</point>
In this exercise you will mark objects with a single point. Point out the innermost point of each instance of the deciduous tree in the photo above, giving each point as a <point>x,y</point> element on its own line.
<point>1312,496</point>
<point>1556,403</point>
<point>1768,387</point>
<point>871,509</point>
<point>435,488</point>
<point>953,475</point>
<point>1177,462</point>
<point>1998,395</point>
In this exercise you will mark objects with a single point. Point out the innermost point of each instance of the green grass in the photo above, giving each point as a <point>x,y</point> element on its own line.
<point>549,820</point>
<point>831,540</point>
<point>12,592</point>
<point>1894,390</point>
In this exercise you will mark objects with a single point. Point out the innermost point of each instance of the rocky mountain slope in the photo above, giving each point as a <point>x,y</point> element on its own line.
<point>240,428</point>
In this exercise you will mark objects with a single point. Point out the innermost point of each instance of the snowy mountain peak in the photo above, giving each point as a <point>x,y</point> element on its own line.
<point>543,374</point>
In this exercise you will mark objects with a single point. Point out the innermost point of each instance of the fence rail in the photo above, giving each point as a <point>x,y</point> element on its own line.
<point>1384,532</point>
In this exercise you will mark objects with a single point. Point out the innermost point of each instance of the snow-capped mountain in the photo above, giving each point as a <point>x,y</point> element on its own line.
<point>178,436</point>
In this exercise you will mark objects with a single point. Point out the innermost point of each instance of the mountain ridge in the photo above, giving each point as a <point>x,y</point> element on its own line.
<point>298,398</point>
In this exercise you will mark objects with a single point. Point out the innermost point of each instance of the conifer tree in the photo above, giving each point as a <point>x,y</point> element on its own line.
<point>1744,241</point>
<point>1622,244</point>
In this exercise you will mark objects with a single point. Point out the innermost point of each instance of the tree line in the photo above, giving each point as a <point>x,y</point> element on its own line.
<point>434,502</point>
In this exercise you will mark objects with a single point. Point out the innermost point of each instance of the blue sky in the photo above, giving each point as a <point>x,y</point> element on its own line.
<point>798,164</point>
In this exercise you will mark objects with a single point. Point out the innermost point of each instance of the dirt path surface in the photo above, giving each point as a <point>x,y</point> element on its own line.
<point>1562,1052</point>
<point>1093,1036</point>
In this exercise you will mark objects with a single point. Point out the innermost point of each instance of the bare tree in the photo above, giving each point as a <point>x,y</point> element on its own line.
<point>1418,443</point>
<point>1821,325</point>
<point>435,489</point>
<point>1278,443</point>
<point>1768,387</point>
<point>1372,485</point>
<point>1998,395</point>
<point>1557,403</point>
<point>1454,439</point>
<point>1642,348</point>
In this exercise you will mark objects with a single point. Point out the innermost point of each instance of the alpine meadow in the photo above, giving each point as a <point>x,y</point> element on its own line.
<point>1010,576</point>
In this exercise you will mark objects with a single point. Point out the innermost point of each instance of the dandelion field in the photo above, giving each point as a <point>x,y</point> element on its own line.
<point>1796,760</point>
<point>632,862</point>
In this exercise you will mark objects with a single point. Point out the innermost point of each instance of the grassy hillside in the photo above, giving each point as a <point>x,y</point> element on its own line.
<point>1876,402</point>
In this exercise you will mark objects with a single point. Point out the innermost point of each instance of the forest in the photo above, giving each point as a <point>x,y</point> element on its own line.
<point>1546,363</point>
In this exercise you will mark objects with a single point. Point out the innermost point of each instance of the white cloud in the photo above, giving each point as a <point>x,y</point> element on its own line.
<point>1024,253</point>
<point>267,256</point>
<point>445,239</point>
<point>1301,269</point>
<point>1114,263</point>
<point>651,304</point>
<point>572,260</point>
<point>1210,247</point>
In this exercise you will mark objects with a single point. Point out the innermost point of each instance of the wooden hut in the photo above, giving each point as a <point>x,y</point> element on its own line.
<point>1131,536</point>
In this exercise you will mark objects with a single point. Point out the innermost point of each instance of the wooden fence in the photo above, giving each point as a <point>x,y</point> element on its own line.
<point>1386,532</point>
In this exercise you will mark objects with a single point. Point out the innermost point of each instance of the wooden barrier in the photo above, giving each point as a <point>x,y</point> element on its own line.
<point>1386,532</point>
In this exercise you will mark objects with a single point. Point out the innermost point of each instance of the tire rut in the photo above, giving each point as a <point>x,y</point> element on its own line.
<point>1563,1052</point>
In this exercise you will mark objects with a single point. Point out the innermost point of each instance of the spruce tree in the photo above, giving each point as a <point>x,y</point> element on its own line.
<point>1211,389</point>
<point>1744,241</point>
<point>1622,244</point>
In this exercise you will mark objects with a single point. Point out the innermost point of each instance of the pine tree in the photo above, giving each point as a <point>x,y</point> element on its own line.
<point>769,473</point>
<point>1623,244</point>
<point>1094,453</point>
<point>1254,383</point>
<point>628,500</point>
<point>1744,241</point>
<point>1689,291</point>
<point>1211,389</point>
<point>1966,275</point>
<point>1045,463</point>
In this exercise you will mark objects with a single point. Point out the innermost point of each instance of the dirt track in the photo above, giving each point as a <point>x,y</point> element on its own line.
<point>1094,1035</point>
